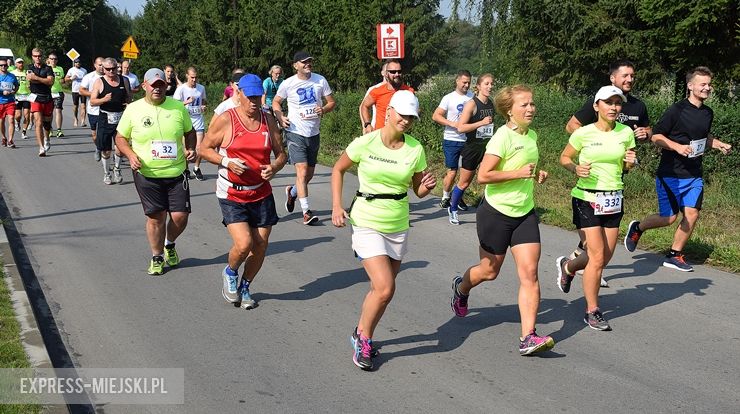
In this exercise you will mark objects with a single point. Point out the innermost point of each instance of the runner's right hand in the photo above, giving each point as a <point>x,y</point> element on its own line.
<point>338,216</point>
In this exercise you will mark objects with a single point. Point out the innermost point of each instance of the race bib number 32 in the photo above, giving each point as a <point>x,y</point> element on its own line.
<point>164,150</point>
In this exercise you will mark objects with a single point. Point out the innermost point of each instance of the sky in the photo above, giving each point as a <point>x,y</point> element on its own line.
<point>135,7</point>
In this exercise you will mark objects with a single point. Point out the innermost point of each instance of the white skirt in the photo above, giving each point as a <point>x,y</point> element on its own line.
<point>369,243</point>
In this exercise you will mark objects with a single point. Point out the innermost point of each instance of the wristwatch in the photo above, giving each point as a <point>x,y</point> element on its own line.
<point>366,124</point>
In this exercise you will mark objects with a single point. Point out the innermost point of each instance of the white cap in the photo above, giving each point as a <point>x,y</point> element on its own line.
<point>607,92</point>
<point>405,103</point>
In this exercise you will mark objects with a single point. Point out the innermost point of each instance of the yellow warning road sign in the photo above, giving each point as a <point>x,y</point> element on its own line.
<point>130,46</point>
<point>73,54</point>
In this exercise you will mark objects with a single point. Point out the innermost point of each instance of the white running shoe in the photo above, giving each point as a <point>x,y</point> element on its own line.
<point>453,216</point>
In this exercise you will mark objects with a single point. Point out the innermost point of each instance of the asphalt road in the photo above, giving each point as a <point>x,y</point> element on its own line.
<point>674,347</point>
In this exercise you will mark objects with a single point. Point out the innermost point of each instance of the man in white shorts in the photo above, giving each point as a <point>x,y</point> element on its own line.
<point>193,95</point>
<point>309,98</point>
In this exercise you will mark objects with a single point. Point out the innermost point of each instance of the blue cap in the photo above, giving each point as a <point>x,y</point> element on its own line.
<point>251,85</point>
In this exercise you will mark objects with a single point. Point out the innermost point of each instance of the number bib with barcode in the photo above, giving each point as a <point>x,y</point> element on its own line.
<point>21,98</point>
<point>164,150</point>
<point>114,117</point>
<point>484,132</point>
<point>697,147</point>
<point>308,112</point>
<point>608,203</point>
<point>54,95</point>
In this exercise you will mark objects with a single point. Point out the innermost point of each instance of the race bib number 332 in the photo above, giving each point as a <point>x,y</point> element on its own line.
<point>164,150</point>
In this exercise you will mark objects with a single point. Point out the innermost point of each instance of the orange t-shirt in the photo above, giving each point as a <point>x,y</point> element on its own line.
<point>382,94</point>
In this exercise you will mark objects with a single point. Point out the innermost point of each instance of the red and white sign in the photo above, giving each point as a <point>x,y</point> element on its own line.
<point>390,41</point>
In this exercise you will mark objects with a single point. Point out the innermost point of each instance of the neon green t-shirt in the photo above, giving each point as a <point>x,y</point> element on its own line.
<point>58,78</point>
<point>605,151</point>
<point>156,135</point>
<point>382,170</point>
<point>23,88</point>
<point>514,198</point>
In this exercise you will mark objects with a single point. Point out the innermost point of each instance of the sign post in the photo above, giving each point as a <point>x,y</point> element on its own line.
<point>390,41</point>
<point>129,49</point>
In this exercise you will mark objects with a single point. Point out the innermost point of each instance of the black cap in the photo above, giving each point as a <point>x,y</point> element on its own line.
<point>301,56</point>
<point>235,77</point>
<point>76,61</point>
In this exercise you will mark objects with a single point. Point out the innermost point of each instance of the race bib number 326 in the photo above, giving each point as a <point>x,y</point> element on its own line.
<point>164,150</point>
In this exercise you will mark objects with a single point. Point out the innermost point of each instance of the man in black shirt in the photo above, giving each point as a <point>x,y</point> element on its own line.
<point>683,134</point>
<point>40,78</point>
<point>634,112</point>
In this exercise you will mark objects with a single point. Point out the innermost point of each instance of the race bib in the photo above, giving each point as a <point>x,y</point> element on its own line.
<point>32,97</point>
<point>54,95</point>
<point>21,98</point>
<point>697,147</point>
<point>308,112</point>
<point>484,132</point>
<point>608,203</point>
<point>114,117</point>
<point>164,150</point>
<point>7,86</point>
<point>195,110</point>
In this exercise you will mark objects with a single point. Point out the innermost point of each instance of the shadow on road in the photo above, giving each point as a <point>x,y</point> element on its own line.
<point>331,282</point>
<point>453,333</point>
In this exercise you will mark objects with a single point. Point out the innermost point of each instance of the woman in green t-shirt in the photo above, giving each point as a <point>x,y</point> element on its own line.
<point>506,217</point>
<point>388,162</point>
<point>604,150</point>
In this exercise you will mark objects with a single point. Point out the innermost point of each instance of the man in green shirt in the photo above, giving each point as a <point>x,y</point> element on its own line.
<point>57,95</point>
<point>156,135</point>
<point>22,104</point>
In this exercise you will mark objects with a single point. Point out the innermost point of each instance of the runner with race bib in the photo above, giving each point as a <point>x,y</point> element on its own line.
<point>604,150</point>
<point>476,122</point>
<point>193,95</point>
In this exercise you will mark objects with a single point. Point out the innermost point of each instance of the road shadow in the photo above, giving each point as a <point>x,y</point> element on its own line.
<point>418,211</point>
<point>645,264</point>
<point>453,333</point>
<point>295,246</point>
<point>334,281</point>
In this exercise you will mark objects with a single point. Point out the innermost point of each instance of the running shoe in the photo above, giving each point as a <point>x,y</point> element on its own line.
<point>84,124</point>
<point>24,135</point>
<point>361,356</point>
<point>603,282</point>
<point>60,134</point>
<point>47,145</point>
<point>461,205</point>
<point>229,290</point>
<point>156,266</point>
<point>444,203</point>
<point>309,218</point>
<point>97,155</point>
<point>246,300</point>
<point>117,176</point>
<point>11,144</point>
<point>459,302</point>
<point>107,180</point>
<point>677,262</point>
<point>595,320</point>
<point>374,352</point>
<point>534,343</point>
<point>74,123</point>
<point>564,278</point>
<point>5,141</point>
<point>42,152</point>
<point>632,236</point>
<point>289,199</point>
<point>171,256</point>
<point>198,174</point>
<point>453,216</point>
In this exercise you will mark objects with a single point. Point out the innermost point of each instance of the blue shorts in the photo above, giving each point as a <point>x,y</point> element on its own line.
<point>256,214</point>
<point>676,193</point>
<point>93,121</point>
<point>452,150</point>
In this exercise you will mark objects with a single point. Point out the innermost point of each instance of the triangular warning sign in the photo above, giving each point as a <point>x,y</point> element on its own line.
<point>130,46</point>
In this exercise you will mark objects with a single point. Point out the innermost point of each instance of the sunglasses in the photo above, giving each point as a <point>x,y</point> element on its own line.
<point>393,72</point>
<point>52,58</point>
<point>109,68</point>
<point>35,55</point>
<point>3,65</point>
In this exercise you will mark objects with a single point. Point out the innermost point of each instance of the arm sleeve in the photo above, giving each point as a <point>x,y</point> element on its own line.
<point>178,94</point>
<point>443,103</point>
<point>125,126</point>
<point>576,140</point>
<point>667,121</point>
<point>282,90</point>
<point>325,87</point>
<point>586,115</point>
<point>498,144</point>
<point>356,148</point>
<point>644,117</point>
<point>421,162</point>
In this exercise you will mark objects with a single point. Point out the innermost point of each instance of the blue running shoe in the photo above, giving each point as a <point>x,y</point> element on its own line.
<point>229,290</point>
<point>246,299</point>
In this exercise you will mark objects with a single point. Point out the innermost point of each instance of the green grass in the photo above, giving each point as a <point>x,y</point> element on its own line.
<point>12,354</point>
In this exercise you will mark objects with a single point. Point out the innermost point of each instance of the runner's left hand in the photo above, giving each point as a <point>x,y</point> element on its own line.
<point>190,155</point>
<point>266,171</point>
